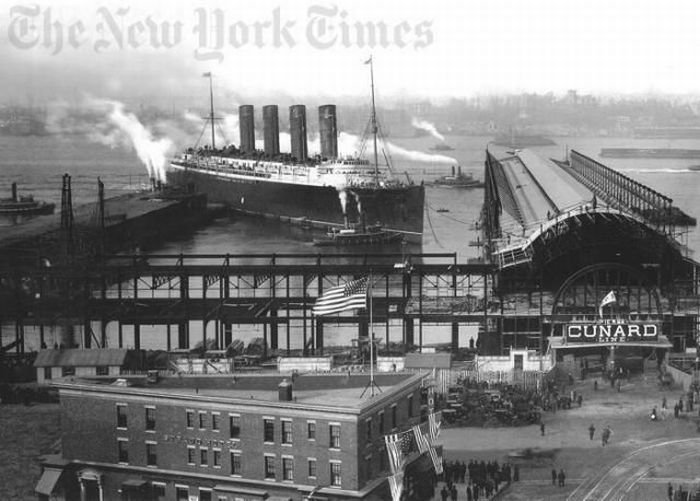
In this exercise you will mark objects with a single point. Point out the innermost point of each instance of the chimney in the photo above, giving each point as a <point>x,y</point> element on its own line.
<point>328,131</point>
<point>246,121</point>
<point>14,192</point>
<point>271,130</point>
<point>285,391</point>
<point>297,126</point>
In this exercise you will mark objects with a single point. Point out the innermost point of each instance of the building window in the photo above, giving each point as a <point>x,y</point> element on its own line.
<point>204,495</point>
<point>203,457</point>
<point>47,373</point>
<point>381,422</point>
<point>335,474</point>
<point>151,456</point>
<point>410,406</point>
<point>286,432</point>
<point>158,491</point>
<point>102,370</point>
<point>217,458</point>
<point>269,430</point>
<point>202,420</point>
<point>121,416</point>
<point>191,460</point>
<point>190,419</point>
<point>182,494</point>
<point>393,416</point>
<point>311,430</point>
<point>150,418</point>
<point>235,463</point>
<point>334,436</point>
<point>312,468</point>
<point>215,421</point>
<point>235,426</point>
<point>68,371</point>
<point>123,449</point>
<point>269,467</point>
<point>287,469</point>
<point>368,429</point>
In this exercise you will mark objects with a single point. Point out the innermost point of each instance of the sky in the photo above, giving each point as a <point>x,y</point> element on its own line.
<point>434,49</point>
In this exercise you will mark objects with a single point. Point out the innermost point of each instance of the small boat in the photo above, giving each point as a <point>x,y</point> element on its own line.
<point>442,147</point>
<point>458,180</point>
<point>372,235</point>
<point>24,206</point>
<point>442,209</point>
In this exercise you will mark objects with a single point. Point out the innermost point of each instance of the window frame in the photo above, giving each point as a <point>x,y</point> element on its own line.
<point>236,454</point>
<point>151,454</point>
<point>334,440</point>
<point>309,463</point>
<point>147,427</point>
<point>120,441</point>
<point>288,461</point>
<point>269,460</point>
<point>286,423</point>
<point>125,407</point>
<point>234,418</point>
<point>268,426</point>
<point>335,463</point>
<point>311,430</point>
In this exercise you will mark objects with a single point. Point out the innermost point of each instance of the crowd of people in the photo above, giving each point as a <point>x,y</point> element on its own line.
<point>483,479</point>
<point>682,493</point>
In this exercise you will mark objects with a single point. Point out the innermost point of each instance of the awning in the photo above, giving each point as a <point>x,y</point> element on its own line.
<point>48,481</point>
<point>134,483</point>
<point>235,489</point>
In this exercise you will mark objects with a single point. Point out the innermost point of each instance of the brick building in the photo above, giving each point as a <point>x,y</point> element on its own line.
<point>230,438</point>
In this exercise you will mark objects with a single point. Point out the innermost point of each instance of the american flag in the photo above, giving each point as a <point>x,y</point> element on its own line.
<point>421,441</point>
<point>343,297</point>
<point>434,426</point>
<point>396,485</point>
<point>393,449</point>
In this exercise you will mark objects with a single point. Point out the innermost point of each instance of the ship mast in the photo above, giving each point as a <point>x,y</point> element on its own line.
<point>211,109</point>
<point>374,121</point>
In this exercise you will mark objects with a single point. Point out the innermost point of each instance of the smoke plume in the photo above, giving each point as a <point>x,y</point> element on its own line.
<point>428,127</point>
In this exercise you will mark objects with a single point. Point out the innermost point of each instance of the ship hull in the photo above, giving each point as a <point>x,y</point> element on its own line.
<point>395,208</point>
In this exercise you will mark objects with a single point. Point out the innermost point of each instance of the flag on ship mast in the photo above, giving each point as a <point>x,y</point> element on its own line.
<point>349,296</point>
<point>609,298</point>
<point>369,60</point>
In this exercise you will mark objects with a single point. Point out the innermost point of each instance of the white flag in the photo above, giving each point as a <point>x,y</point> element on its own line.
<point>609,298</point>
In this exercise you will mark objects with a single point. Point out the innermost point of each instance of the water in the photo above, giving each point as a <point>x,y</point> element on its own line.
<point>37,164</point>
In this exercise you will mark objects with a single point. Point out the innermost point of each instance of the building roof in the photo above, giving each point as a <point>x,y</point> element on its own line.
<point>428,361</point>
<point>81,358</point>
<point>344,393</point>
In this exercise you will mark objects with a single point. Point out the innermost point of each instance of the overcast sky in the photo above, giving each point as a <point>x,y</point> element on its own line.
<point>435,48</point>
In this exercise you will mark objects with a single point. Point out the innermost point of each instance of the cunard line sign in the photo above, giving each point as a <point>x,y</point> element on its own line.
<point>611,332</point>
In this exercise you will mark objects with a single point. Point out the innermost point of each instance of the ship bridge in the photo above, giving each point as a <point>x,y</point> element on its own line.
<point>549,218</point>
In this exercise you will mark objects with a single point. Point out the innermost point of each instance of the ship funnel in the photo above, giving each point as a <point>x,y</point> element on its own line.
<point>297,126</point>
<point>246,119</point>
<point>271,130</point>
<point>328,131</point>
<point>14,192</point>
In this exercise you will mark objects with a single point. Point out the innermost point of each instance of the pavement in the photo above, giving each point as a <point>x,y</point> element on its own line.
<point>642,457</point>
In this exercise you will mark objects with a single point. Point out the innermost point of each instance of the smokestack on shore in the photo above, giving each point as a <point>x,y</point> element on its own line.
<point>297,126</point>
<point>271,130</point>
<point>328,131</point>
<point>246,119</point>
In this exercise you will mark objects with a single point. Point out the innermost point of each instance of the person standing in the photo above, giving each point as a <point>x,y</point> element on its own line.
<point>591,431</point>
<point>580,399</point>
<point>444,493</point>
<point>670,492</point>
<point>562,478</point>
<point>595,385</point>
<point>663,403</point>
<point>554,476</point>
<point>453,493</point>
<point>469,492</point>
<point>542,428</point>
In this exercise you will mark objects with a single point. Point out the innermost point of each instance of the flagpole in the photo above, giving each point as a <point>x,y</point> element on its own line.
<point>371,336</point>
<point>211,108</point>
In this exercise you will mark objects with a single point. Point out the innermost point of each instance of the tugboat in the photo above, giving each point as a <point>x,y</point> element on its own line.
<point>372,235</point>
<point>23,206</point>
<point>458,180</point>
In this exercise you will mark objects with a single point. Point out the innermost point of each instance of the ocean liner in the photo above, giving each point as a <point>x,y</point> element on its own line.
<point>324,191</point>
